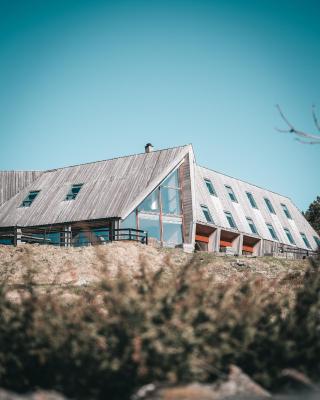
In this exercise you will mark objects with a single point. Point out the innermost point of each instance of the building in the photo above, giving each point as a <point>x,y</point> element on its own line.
<point>163,196</point>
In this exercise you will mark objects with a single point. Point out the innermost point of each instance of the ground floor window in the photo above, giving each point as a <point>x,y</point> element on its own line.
<point>151,224</point>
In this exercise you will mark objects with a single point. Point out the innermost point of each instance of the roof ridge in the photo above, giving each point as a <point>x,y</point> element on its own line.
<point>114,158</point>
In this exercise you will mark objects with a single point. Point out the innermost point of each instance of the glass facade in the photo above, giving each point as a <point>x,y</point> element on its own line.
<point>165,198</point>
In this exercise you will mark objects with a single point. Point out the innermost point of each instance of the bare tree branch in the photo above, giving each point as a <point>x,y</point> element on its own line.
<point>311,139</point>
<point>315,118</point>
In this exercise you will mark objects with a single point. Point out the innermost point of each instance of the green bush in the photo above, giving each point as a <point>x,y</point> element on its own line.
<point>104,341</point>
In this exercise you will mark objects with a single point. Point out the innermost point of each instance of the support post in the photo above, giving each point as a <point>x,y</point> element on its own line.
<point>17,236</point>
<point>216,244</point>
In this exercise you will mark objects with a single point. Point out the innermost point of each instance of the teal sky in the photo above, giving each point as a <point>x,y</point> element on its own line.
<point>83,80</point>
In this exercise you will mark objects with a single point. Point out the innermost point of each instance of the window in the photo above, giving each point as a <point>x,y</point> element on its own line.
<point>317,240</point>
<point>210,187</point>
<point>252,200</point>
<point>230,219</point>
<point>151,224</point>
<point>286,211</point>
<point>231,193</point>
<point>206,213</point>
<point>272,232</point>
<point>151,203</point>
<point>170,195</point>
<point>172,232</point>
<point>30,198</point>
<point>73,192</point>
<point>306,241</point>
<point>269,205</point>
<point>252,226</point>
<point>289,236</point>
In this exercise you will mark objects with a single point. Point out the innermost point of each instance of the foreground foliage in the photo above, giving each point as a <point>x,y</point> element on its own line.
<point>105,341</point>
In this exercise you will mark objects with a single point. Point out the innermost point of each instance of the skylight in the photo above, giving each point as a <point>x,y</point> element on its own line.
<point>305,239</point>
<point>272,232</point>
<point>30,198</point>
<point>289,236</point>
<point>286,211</point>
<point>252,200</point>
<point>252,226</point>
<point>73,192</point>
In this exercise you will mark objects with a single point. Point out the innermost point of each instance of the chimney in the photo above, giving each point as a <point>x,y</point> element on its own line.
<point>148,148</point>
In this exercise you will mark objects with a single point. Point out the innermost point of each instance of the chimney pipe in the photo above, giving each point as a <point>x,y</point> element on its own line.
<point>148,148</point>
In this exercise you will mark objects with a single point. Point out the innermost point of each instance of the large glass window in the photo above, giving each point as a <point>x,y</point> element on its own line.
<point>130,221</point>
<point>151,224</point>
<point>172,232</point>
<point>269,205</point>
<point>231,193</point>
<point>30,198</point>
<point>150,203</point>
<point>170,195</point>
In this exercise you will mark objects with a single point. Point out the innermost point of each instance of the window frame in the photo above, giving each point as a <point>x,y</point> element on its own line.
<point>286,210</point>
<point>210,187</point>
<point>206,208</point>
<point>305,240</point>
<point>275,236</point>
<point>252,200</point>
<point>233,224</point>
<point>269,205</point>
<point>250,221</point>
<point>289,235</point>
<point>231,194</point>
<point>28,200</point>
<point>72,196</point>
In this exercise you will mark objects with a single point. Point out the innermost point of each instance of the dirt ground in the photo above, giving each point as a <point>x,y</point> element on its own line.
<point>87,265</point>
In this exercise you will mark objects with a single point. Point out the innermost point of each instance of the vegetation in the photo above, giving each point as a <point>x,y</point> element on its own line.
<point>104,341</point>
<point>313,214</point>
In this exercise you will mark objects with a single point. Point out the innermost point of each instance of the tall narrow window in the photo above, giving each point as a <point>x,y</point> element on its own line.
<point>231,193</point>
<point>272,232</point>
<point>30,198</point>
<point>269,205</point>
<point>289,236</point>
<point>252,200</point>
<point>230,219</point>
<point>305,239</point>
<point>286,211</point>
<point>252,226</point>
<point>73,192</point>
<point>317,240</point>
<point>210,187</point>
<point>206,213</point>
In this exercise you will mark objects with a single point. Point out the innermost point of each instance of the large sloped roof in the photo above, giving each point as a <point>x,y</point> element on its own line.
<point>11,182</point>
<point>111,189</point>
<point>242,209</point>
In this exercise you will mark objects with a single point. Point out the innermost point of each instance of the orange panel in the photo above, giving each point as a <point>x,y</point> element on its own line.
<point>200,238</point>
<point>224,243</point>
<point>247,248</point>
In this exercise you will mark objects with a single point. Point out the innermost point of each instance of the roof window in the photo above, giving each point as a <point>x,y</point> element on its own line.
<point>73,192</point>
<point>30,198</point>
<point>206,213</point>
<point>210,187</point>
<point>231,193</point>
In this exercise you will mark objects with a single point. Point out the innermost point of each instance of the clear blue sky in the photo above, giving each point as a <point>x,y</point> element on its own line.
<point>83,80</point>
